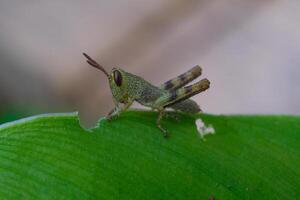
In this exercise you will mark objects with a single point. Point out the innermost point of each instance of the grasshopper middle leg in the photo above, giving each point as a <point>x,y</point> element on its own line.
<point>161,113</point>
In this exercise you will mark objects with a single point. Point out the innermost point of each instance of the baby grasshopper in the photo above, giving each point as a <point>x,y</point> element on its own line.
<point>126,88</point>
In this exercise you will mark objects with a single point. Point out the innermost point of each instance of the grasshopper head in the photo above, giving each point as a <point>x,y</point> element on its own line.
<point>118,85</point>
<point>116,78</point>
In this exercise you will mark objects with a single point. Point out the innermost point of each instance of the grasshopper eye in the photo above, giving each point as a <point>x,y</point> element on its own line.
<point>117,78</point>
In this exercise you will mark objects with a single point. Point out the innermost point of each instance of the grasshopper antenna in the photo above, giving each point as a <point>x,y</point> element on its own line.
<point>95,64</point>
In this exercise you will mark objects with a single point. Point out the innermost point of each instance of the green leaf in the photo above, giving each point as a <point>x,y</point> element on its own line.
<point>53,157</point>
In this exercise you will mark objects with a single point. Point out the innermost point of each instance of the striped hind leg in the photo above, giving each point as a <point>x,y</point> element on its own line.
<point>182,79</point>
<point>181,94</point>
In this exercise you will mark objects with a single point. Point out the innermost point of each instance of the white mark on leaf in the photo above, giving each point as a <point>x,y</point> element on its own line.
<point>203,129</point>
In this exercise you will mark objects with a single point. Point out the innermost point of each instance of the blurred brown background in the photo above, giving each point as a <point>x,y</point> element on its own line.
<point>248,49</point>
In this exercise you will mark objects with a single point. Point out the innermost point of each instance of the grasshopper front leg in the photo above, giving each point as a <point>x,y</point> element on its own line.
<point>118,110</point>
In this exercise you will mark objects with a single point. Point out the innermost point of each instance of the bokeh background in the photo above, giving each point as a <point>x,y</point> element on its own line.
<point>249,50</point>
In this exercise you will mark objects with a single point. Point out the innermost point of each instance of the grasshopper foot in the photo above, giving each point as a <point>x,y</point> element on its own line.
<point>114,113</point>
<point>111,117</point>
<point>164,131</point>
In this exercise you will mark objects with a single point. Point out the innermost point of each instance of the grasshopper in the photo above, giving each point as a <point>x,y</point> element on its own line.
<point>127,88</point>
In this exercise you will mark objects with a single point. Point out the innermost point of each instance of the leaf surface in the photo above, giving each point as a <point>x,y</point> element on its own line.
<point>53,157</point>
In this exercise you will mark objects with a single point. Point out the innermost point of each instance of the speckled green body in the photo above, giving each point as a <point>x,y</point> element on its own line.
<point>127,88</point>
<point>140,90</point>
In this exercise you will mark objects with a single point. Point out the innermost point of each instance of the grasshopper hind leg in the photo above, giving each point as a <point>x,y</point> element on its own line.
<point>182,94</point>
<point>160,116</point>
